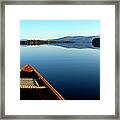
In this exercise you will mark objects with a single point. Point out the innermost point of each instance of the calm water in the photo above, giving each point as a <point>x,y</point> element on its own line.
<point>75,73</point>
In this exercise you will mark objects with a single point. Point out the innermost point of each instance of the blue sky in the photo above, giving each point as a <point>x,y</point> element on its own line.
<point>49,29</point>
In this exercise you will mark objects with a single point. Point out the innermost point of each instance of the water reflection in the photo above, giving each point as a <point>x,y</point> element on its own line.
<point>71,45</point>
<point>73,72</point>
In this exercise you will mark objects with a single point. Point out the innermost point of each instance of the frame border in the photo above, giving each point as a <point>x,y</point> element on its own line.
<point>61,2</point>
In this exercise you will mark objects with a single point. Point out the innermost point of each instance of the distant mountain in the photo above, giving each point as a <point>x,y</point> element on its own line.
<point>76,39</point>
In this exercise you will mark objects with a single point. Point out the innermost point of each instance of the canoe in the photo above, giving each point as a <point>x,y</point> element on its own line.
<point>33,86</point>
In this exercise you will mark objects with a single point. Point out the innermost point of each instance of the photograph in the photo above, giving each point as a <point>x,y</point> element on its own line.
<point>60,59</point>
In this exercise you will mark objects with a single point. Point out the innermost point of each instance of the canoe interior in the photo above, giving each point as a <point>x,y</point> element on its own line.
<point>33,87</point>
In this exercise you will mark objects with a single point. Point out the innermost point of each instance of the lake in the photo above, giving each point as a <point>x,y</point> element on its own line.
<point>74,73</point>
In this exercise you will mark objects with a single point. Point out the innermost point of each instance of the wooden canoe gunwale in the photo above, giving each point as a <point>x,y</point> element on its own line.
<point>45,81</point>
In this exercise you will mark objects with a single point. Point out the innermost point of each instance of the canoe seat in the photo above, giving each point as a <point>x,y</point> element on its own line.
<point>30,83</point>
